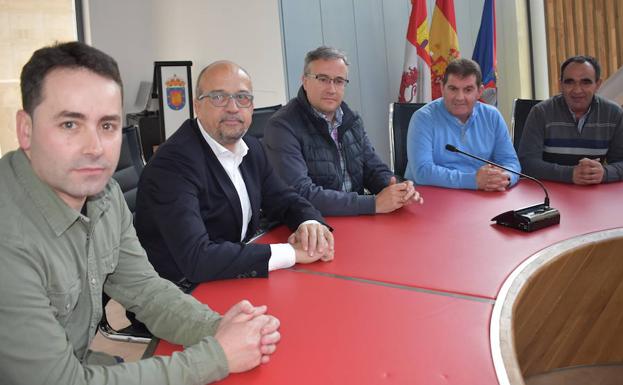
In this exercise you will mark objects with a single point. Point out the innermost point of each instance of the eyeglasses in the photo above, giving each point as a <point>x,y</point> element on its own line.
<point>325,80</point>
<point>220,99</point>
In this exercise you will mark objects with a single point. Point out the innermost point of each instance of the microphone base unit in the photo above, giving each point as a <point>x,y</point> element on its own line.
<point>529,218</point>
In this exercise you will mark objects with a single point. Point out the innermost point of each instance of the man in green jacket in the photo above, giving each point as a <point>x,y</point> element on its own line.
<point>67,236</point>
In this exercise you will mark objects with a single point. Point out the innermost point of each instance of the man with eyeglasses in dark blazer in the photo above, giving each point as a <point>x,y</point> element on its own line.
<point>199,197</point>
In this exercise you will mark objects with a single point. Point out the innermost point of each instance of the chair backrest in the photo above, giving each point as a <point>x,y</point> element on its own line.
<point>150,135</point>
<point>521,109</point>
<point>260,118</point>
<point>399,117</point>
<point>130,165</point>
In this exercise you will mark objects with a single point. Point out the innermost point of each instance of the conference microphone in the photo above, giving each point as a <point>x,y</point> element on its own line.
<point>525,219</point>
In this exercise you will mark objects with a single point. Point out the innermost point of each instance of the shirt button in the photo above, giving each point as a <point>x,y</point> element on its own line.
<point>93,281</point>
<point>66,306</point>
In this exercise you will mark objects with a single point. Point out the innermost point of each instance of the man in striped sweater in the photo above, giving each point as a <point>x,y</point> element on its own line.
<point>577,136</point>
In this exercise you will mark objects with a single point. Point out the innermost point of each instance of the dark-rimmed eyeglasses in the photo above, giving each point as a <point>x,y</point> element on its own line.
<point>220,98</point>
<point>327,80</point>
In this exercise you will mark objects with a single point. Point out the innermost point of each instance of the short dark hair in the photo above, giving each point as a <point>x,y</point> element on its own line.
<point>63,55</point>
<point>582,59</point>
<point>323,53</point>
<point>462,68</point>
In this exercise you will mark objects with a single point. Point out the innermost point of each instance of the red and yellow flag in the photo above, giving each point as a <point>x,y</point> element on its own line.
<point>444,42</point>
<point>415,85</point>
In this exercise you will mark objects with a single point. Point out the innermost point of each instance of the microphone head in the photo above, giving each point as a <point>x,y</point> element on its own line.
<point>450,147</point>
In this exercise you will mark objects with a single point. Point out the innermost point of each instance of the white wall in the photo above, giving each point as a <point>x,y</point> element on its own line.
<point>138,32</point>
<point>513,54</point>
<point>249,33</point>
<point>539,44</point>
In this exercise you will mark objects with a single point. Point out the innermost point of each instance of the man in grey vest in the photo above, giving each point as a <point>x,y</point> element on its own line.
<point>318,145</point>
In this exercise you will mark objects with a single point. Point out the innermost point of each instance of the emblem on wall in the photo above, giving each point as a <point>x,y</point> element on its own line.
<point>176,93</point>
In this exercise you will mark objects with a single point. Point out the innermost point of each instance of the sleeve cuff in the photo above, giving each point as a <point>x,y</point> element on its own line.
<point>366,204</point>
<point>310,221</point>
<point>514,178</point>
<point>468,181</point>
<point>282,256</point>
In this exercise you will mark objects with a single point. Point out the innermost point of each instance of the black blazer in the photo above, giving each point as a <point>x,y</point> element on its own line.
<point>188,214</point>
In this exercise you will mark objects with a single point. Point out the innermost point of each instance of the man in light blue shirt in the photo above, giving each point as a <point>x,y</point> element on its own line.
<point>459,119</point>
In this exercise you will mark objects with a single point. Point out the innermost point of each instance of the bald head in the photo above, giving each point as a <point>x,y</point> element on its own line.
<point>220,68</point>
<point>224,102</point>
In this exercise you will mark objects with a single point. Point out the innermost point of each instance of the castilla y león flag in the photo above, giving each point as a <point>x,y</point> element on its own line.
<point>415,86</point>
<point>485,53</point>
<point>444,42</point>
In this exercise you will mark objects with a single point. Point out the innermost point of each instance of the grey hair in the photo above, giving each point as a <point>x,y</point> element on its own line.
<point>323,53</point>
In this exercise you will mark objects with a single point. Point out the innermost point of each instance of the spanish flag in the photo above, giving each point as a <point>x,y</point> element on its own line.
<point>415,86</point>
<point>444,42</point>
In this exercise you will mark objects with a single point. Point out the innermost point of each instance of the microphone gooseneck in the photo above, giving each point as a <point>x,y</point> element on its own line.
<point>452,148</point>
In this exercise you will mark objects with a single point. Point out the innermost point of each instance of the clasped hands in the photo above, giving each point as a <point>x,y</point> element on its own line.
<point>491,178</point>
<point>588,171</point>
<point>312,241</point>
<point>396,195</point>
<point>248,336</point>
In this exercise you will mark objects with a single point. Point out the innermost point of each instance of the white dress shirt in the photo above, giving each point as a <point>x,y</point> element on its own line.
<point>282,255</point>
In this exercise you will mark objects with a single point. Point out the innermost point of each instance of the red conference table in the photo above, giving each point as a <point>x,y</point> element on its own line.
<point>408,298</point>
<point>337,331</point>
<point>449,244</point>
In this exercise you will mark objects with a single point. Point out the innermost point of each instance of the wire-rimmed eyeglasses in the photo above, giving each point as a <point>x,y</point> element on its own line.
<point>220,98</point>
<point>327,80</point>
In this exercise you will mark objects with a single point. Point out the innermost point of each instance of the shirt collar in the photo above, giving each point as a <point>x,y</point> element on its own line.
<point>583,117</point>
<point>56,212</point>
<point>339,115</point>
<point>219,150</point>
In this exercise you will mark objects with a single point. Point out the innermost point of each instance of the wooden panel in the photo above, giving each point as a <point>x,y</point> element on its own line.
<point>560,309</point>
<point>618,20</point>
<point>590,30</point>
<point>584,27</point>
<point>568,26</point>
<point>600,36</point>
<point>611,34</point>
<point>579,24</point>
<point>561,47</point>
<point>550,24</point>
<point>569,313</point>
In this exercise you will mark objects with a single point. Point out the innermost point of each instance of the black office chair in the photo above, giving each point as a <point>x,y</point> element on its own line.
<point>399,117</point>
<point>130,165</point>
<point>148,124</point>
<point>127,175</point>
<point>150,134</point>
<point>521,109</point>
<point>260,118</point>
